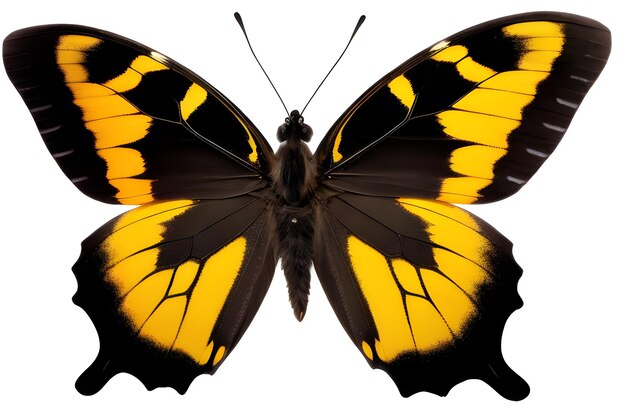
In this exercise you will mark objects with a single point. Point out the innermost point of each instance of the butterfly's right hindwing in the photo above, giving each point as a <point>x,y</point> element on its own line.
<point>423,289</point>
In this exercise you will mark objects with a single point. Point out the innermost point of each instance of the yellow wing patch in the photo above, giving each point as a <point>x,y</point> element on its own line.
<point>417,309</point>
<point>465,65</point>
<point>407,321</point>
<point>216,279</point>
<point>488,114</point>
<point>337,156</point>
<point>175,308</point>
<point>452,54</point>
<point>402,89</point>
<point>131,78</point>
<point>495,102</point>
<point>117,131</point>
<point>103,109</point>
<point>473,71</point>
<point>384,299</point>
<point>122,162</point>
<point>253,156</point>
<point>194,97</point>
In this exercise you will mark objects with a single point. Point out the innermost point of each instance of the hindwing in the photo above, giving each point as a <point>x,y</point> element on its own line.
<point>423,289</point>
<point>171,287</point>
<point>472,118</point>
<point>127,124</point>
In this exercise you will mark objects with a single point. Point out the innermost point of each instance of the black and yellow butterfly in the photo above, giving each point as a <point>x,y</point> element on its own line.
<point>422,287</point>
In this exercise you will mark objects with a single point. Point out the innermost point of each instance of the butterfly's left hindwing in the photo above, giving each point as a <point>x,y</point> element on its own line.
<point>128,125</point>
<point>423,289</point>
<point>172,286</point>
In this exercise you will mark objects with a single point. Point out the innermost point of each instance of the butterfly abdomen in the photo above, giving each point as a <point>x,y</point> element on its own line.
<point>295,245</point>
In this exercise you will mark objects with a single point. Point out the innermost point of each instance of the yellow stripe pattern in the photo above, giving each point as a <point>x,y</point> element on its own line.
<point>112,119</point>
<point>419,309</point>
<point>488,114</point>
<point>131,78</point>
<point>175,308</point>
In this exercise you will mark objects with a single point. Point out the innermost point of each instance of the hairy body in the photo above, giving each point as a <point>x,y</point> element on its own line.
<point>294,181</point>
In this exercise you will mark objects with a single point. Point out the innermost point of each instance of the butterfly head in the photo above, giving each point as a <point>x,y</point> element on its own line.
<point>294,128</point>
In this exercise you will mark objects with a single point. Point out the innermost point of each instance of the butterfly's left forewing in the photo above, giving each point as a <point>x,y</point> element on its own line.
<point>128,125</point>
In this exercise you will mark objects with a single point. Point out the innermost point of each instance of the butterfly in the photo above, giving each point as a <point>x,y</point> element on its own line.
<point>422,287</point>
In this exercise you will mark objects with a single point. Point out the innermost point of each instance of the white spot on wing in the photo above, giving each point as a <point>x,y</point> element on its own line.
<point>50,130</point>
<point>515,180</point>
<point>78,179</point>
<point>62,154</point>
<point>577,78</point>
<point>537,153</point>
<point>567,103</point>
<point>554,127</point>
<point>159,57</point>
<point>440,45</point>
<point>40,108</point>
<point>32,87</point>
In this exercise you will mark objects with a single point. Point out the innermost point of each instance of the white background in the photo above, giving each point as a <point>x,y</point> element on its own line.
<point>567,223</point>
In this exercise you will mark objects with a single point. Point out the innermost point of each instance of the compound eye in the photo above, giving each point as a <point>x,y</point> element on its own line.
<point>301,120</point>
<point>287,120</point>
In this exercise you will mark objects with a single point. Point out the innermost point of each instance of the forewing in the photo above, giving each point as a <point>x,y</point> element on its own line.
<point>127,124</point>
<point>472,118</point>
<point>423,289</point>
<point>172,286</point>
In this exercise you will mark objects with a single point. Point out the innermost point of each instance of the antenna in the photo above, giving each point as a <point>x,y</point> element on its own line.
<point>240,21</point>
<point>358,25</point>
